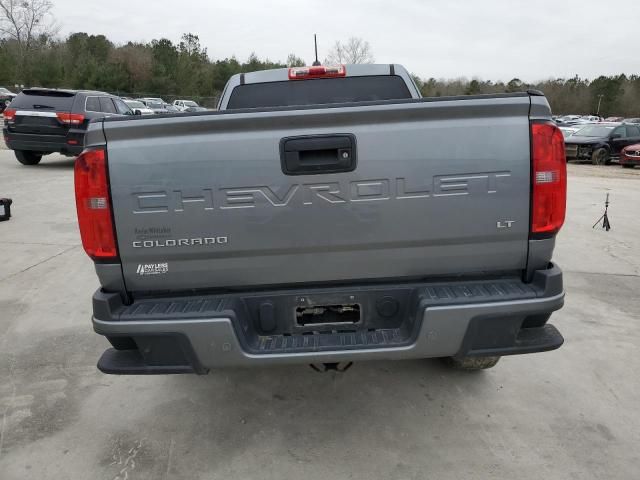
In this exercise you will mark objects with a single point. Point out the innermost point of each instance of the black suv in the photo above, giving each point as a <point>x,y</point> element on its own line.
<point>41,121</point>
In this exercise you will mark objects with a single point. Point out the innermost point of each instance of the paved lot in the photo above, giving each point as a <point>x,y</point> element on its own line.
<point>568,414</point>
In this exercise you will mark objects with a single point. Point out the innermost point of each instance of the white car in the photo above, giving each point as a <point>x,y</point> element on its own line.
<point>138,108</point>
<point>153,100</point>
<point>182,105</point>
<point>568,131</point>
<point>568,119</point>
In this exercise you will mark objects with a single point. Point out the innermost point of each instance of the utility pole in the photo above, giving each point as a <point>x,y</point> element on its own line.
<point>599,102</point>
<point>316,62</point>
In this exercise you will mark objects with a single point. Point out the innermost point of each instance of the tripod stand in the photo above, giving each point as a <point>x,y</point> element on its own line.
<point>605,217</point>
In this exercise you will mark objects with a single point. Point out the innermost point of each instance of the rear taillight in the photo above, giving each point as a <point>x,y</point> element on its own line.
<point>303,73</point>
<point>70,118</point>
<point>9,114</point>
<point>93,203</point>
<point>548,180</point>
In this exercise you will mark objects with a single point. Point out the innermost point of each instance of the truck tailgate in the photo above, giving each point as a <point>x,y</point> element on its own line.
<point>437,188</point>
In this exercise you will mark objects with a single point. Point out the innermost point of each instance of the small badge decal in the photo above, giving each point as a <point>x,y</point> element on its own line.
<point>152,268</point>
<point>505,223</point>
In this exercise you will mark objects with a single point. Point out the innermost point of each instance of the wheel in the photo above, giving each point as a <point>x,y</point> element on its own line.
<point>471,363</point>
<point>26,157</point>
<point>600,157</point>
<point>628,165</point>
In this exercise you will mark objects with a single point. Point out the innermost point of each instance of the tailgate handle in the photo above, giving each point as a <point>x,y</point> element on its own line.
<point>316,154</point>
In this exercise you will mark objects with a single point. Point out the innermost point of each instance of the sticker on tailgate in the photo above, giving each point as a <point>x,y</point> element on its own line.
<point>152,268</point>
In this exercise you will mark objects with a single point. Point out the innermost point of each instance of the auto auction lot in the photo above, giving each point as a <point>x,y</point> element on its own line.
<point>567,414</point>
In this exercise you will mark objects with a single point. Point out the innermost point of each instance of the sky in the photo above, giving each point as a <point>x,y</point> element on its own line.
<point>487,39</point>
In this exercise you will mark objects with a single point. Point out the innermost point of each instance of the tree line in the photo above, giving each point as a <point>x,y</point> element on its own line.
<point>160,67</point>
<point>32,54</point>
<point>616,95</point>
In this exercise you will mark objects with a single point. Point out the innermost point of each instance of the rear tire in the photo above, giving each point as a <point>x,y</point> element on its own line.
<point>471,363</point>
<point>26,157</point>
<point>600,157</point>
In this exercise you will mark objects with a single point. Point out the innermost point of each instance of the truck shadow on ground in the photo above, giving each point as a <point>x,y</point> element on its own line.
<point>57,163</point>
<point>296,409</point>
<point>294,416</point>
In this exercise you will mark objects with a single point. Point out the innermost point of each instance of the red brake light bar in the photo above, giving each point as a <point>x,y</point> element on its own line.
<point>304,73</point>
<point>9,114</point>
<point>70,118</point>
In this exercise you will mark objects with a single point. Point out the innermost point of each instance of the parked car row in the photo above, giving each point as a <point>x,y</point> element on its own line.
<point>571,120</point>
<point>41,121</point>
<point>601,140</point>
<point>156,105</point>
<point>567,120</point>
<point>604,142</point>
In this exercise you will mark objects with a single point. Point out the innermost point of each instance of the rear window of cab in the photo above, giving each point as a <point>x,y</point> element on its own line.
<point>318,91</point>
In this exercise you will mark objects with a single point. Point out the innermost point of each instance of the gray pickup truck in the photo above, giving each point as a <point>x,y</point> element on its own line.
<point>324,215</point>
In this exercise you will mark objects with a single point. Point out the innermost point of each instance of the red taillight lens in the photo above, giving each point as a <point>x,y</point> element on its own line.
<point>9,114</point>
<point>94,205</point>
<point>70,118</point>
<point>302,73</point>
<point>548,180</point>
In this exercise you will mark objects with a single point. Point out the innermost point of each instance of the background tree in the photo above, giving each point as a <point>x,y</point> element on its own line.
<point>418,81</point>
<point>164,64</point>
<point>612,91</point>
<point>516,85</point>
<point>473,88</point>
<point>25,25</point>
<point>132,63</point>
<point>222,70</point>
<point>295,61</point>
<point>354,50</point>
<point>192,59</point>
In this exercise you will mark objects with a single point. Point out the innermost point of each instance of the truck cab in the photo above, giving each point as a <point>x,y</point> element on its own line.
<point>278,87</point>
